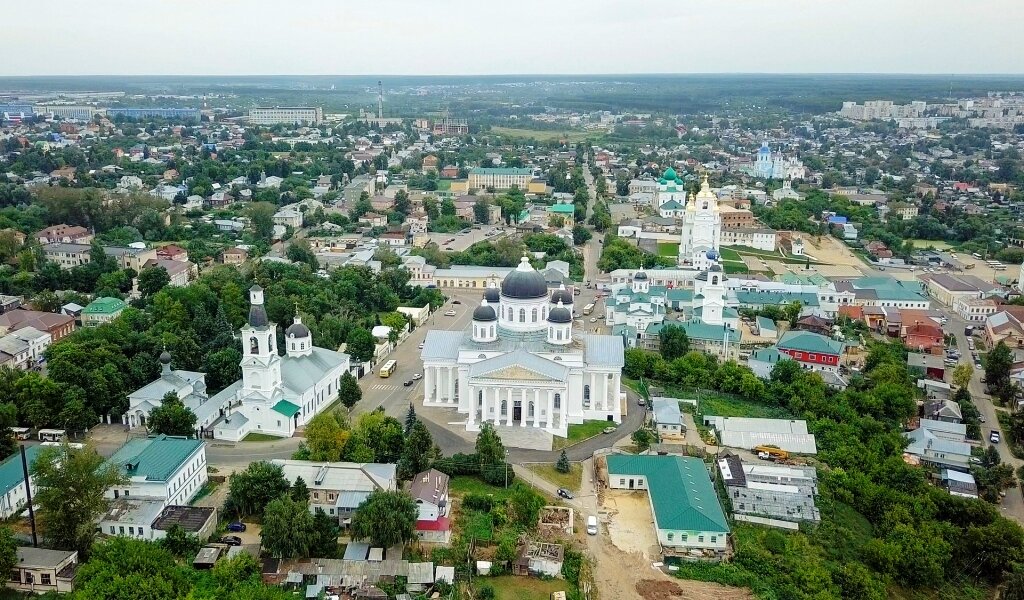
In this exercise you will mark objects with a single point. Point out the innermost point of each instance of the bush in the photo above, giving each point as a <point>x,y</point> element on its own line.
<point>477,502</point>
<point>498,474</point>
<point>485,592</point>
<point>458,464</point>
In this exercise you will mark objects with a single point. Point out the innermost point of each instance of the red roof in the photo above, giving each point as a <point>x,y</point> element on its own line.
<point>854,312</point>
<point>441,524</point>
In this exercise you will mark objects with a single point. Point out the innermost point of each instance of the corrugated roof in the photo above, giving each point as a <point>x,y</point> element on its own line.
<point>680,490</point>
<point>286,408</point>
<point>808,341</point>
<point>666,411</point>
<point>11,473</point>
<point>441,344</point>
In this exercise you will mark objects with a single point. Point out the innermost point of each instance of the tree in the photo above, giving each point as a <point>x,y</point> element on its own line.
<point>417,453</point>
<point>360,344</point>
<point>1014,587</point>
<point>68,519</point>
<point>325,535</point>
<point>287,528</point>
<point>673,342</point>
<point>179,543</point>
<point>643,438</point>
<point>383,434</point>
<point>152,280</point>
<point>172,417</point>
<point>524,505</point>
<point>386,519</point>
<point>489,448</point>
<point>249,491</point>
<point>349,391</point>
<point>261,217</point>
<point>8,549</point>
<point>481,212</point>
<point>580,235</point>
<point>562,466</point>
<point>962,374</point>
<point>410,419</point>
<point>299,491</point>
<point>325,437</point>
<point>300,251</point>
<point>997,371</point>
<point>123,568</point>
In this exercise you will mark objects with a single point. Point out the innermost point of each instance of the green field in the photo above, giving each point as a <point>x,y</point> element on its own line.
<point>508,587</point>
<point>572,135</point>
<point>569,481</point>
<point>260,437</point>
<point>668,249</point>
<point>461,485</point>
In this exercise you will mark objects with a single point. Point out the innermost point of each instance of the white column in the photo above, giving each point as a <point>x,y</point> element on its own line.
<point>472,404</point>
<point>428,380</point>
<point>496,399</point>
<point>536,407</point>
<point>616,405</point>
<point>524,410</point>
<point>551,409</point>
<point>451,384</point>
<point>511,412</point>
<point>437,384</point>
<point>604,391</point>
<point>593,391</point>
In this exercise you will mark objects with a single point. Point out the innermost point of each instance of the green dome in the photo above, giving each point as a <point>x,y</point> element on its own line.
<point>670,174</point>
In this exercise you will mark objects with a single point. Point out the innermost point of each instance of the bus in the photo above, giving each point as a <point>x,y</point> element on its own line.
<point>21,433</point>
<point>388,368</point>
<point>74,445</point>
<point>588,308</point>
<point>52,435</point>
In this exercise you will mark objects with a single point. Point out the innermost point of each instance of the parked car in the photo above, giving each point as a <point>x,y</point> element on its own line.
<point>592,525</point>
<point>450,313</point>
<point>408,382</point>
<point>231,540</point>
<point>456,301</point>
<point>608,430</point>
<point>417,376</point>
<point>564,493</point>
<point>593,319</point>
<point>421,345</point>
<point>994,437</point>
<point>236,526</point>
<point>641,402</point>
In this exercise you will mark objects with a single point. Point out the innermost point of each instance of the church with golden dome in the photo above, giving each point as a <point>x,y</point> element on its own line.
<point>701,237</point>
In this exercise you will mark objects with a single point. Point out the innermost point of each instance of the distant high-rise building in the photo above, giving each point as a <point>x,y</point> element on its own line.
<point>312,115</point>
<point>185,114</point>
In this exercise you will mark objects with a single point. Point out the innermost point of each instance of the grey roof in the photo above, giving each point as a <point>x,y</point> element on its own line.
<point>560,314</point>
<point>745,432</point>
<point>524,285</point>
<point>520,358</point>
<point>484,313</point>
<point>29,558</point>
<point>666,411</point>
<point>441,344</point>
<point>297,330</point>
<point>604,350</point>
<point>429,486</point>
<point>492,295</point>
<point>299,373</point>
<point>351,500</point>
<point>233,421</point>
<point>258,316</point>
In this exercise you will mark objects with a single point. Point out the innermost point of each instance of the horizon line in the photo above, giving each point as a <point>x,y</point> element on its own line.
<point>637,74</point>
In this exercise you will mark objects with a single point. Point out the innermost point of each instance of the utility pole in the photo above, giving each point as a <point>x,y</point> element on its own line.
<point>28,495</point>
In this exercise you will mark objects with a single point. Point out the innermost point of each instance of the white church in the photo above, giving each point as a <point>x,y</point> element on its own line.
<point>701,236</point>
<point>520,364</point>
<point>773,165</point>
<point>276,394</point>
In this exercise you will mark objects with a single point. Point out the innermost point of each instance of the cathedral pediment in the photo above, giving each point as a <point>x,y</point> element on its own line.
<point>516,373</point>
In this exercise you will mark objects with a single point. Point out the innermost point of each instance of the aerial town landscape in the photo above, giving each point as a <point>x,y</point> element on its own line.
<point>418,334</point>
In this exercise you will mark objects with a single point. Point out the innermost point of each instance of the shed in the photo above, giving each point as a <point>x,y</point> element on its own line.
<point>446,574</point>
<point>206,558</point>
<point>376,555</point>
<point>667,417</point>
<point>356,551</point>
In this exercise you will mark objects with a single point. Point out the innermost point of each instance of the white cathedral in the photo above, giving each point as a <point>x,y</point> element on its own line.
<point>520,364</point>
<point>701,236</point>
<point>773,165</point>
<point>276,394</point>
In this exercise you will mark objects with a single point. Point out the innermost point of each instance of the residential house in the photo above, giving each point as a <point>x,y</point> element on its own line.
<point>429,490</point>
<point>668,420</point>
<point>687,515</point>
<point>394,239</point>
<point>172,252</point>
<point>102,310</point>
<point>430,164</point>
<point>338,488</point>
<point>947,288</point>
<point>925,337</point>
<point>373,219</point>
<point>68,255</point>
<point>538,558</point>
<point>14,352</point>
<point>57,325</point>
<point>1006,326</point>
<point>939,443</point>
<point>180,273</point>
<point>975,309</point>
<point>958,483</point>
<point>417,222</point>
<point>130,258</point>
<point>812,350</point>
<point>288,217</point>
<point>926,365</point>
<point>234,256</point>
<point>13,492</point>
<point>39,571</point>
<point>37,340</point>
<point>744,432</point>
<point>63,233</point>
<point>904,210</point>
<point>943,410</point>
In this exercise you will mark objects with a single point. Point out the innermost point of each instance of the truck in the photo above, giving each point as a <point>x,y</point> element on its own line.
<point>771,453</point>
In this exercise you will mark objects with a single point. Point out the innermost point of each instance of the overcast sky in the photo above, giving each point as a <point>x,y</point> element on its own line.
<point>451,37</point>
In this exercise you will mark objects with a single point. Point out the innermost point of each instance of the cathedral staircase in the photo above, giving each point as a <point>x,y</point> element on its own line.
<point>529,438</point>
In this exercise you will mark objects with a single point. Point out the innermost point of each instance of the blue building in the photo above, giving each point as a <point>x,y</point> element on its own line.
<point>16,112</point>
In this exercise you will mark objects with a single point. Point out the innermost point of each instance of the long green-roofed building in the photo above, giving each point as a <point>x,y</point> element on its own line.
<point>687,514</point>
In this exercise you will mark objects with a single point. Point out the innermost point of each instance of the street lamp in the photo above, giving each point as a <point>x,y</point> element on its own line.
<point>506,468</point>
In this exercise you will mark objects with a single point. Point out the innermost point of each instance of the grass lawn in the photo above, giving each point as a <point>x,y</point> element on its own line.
<point>460,485</point>
<point>509,587</point>
<point>443,185</point>
<point>570,481</point>
<point>937,244</point>
<point>734,267</point>
<point>579,432</point>
<point>668,249</point>
<point>260,437</point>
<point>721,406</point>
<point>204,491</point>
<point>572,135</point>
<point>730,255</point>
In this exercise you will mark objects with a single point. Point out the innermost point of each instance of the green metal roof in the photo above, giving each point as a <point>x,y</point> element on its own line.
<point>764,323</point>
<point>670,205</point>
<point>104,306</point>
<point>562,208</point>
<point>155,458</point>
<point>808,341</point>
<point>286,408</point>
<point>699,330</point>
<point>11,473</point>
<point>680,489</point>
<point>768,298</point>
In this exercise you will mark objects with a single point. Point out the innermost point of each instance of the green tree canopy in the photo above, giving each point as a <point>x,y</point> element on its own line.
<point>386,519</point>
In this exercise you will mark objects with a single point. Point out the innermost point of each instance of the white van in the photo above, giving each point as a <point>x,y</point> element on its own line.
<point>592,525</point>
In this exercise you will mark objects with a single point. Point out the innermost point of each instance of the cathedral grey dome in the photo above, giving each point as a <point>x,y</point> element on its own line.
<point>297,329</point>
<point>561,295</point>
<point>492,295</point>
<point>165,357</point>
<point>640,276</point>
<point>484,313</point>
<point>559,314</point>
<point>525,283</point>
